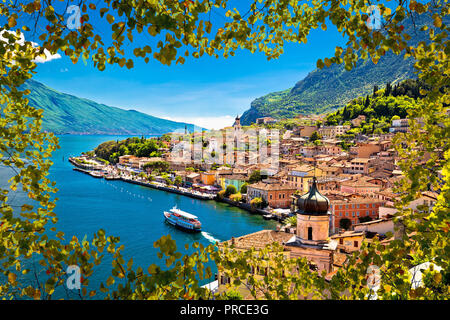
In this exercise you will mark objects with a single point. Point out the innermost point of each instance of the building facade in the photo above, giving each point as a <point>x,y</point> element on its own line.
<point>277,195</point>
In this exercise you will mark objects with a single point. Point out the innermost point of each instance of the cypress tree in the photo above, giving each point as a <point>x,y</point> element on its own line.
<point>367,101</point>
<point>388,89</point>
<point>375,89</point>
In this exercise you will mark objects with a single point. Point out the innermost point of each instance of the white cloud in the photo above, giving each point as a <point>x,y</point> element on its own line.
<point>48,56</point>
<point>218,122</point>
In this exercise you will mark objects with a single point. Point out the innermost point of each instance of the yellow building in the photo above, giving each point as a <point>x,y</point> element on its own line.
<point>349,241</point>
<point>301,177</point>
<point>208,178</point>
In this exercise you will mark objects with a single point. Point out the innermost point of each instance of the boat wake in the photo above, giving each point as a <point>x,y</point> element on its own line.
<point>209,237</point>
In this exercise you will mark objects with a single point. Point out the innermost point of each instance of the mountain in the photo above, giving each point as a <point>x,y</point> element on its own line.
<point>327,89</point>
<point>67,114</point>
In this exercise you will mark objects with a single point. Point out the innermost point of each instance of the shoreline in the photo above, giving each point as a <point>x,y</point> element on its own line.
<point>153,186</point>
<point>211,197</point>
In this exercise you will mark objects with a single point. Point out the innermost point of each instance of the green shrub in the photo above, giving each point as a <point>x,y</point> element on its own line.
<point>230,190</point>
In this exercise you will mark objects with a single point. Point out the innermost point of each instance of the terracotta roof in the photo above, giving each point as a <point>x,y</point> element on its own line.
<point>359,183</point>
<point>380,174</point>
<point>430,194</point>
<point>260,239</point>
<point>360,160</point>
<point>339,259</point>
<point>303,168</point>
<point>357,200</point>
<point>330,275</point>
<point>370,222</point>
<point>236,177</point>
<point>271,186</point>
<point>348,234</point>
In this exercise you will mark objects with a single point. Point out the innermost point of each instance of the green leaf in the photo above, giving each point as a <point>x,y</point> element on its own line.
<point>110,18</point>
<point>110,281</point>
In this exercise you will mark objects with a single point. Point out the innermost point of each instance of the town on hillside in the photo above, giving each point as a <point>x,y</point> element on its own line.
<point>330,191</point>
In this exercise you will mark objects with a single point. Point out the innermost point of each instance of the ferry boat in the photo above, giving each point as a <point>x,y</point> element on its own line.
<point>182,220</point>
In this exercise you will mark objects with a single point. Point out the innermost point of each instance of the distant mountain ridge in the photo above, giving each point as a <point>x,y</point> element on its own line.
<point>68,114</point>
<point>327,89</point>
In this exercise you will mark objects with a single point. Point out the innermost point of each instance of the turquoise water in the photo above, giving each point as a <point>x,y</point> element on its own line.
<point>132,212</point>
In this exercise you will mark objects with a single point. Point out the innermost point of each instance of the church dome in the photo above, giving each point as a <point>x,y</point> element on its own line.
<point>313,202</point>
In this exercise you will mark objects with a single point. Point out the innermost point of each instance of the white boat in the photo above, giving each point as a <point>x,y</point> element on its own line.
<point>183,220</point>
<point>96,174</point>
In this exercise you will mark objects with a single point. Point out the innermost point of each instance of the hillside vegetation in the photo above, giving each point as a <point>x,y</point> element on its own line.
<point>379,108</point>
<point>140,147</point>
<point>327,89</point>
<point>68,114</point>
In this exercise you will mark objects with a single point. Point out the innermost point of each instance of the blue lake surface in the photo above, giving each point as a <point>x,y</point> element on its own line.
<point>133,212</point>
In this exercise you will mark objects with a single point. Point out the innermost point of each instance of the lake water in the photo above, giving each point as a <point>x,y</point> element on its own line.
<point>132,212</point>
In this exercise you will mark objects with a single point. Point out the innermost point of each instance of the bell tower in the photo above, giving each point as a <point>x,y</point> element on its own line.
<point>237,123</point>
<point>313,221</point>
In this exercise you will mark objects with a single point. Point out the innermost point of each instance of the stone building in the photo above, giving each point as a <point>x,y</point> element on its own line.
<point>329,132</point>
<point>276,195</point>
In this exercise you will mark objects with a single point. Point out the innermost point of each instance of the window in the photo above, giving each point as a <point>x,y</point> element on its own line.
<point>310,237</point>
<point>341,241</point>
<point>355,244</point>
<point>224,280</point>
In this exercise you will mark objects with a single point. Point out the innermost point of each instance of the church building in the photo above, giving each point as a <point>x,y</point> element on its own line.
<point>237,123</point>
<point>312,240</point>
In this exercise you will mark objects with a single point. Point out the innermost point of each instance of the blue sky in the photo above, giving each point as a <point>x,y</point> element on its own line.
<point>208,92</point>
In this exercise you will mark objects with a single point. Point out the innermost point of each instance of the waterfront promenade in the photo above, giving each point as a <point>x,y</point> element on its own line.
<point>112,174</point>
<point>157,185</point>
